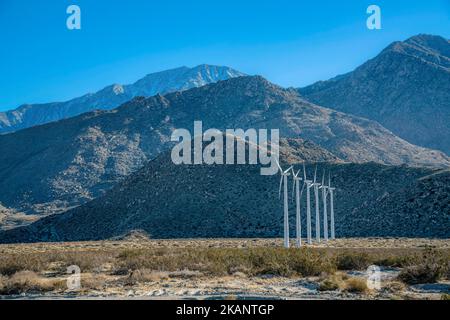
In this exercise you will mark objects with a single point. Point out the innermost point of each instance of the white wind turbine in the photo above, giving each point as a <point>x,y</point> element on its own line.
<point>284,180</point>
<point>316,196</point>
<point>333,234</point>
<point>298,196</point>
<point>309,185</point>
<point>325,191</point>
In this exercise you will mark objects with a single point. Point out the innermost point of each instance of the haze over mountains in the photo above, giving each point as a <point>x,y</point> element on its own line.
<point>406,88</point>
<point>235,201</point>
<point>178,79</point>
<point>63,164</point>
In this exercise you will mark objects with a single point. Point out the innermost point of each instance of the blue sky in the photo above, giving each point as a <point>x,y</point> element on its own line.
<point>291,43</point>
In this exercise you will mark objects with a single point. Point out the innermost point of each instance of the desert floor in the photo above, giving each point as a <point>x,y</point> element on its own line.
<point>138,268</point>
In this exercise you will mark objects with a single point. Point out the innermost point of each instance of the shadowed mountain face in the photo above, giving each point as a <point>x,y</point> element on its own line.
<point>406,88</point>
<point>64,164</point>
<point>179,79</point>
<point>232,201</point>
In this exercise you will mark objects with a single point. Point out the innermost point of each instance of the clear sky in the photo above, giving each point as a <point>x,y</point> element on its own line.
<point>290,42</point>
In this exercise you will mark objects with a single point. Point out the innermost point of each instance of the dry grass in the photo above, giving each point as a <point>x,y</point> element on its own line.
<point>353,261</point>
<point>394,287</point>
<point>432,267</point>
<point>145,275</point>
<point>227,261</point>
<point>29,282</point>
<point>331,283</point>
<point>28,268</point>
<point>342,282</point>
<point>356,285</point>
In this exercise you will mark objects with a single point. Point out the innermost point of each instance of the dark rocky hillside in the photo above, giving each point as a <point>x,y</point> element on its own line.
<point>226,201</point>
<point>406,88</point>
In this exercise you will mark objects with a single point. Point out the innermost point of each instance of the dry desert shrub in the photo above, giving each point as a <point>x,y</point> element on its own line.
<point>356,285</point>
<point>333,282</point>
<point>353,261</point>
<point>226,261</point>
<point>93,281</point>
<point>88,261</point>
<point>146,275</point>
<point>394,287</point>
<point>433,267</point>
<point>14,263</point>
<point>29,282</point>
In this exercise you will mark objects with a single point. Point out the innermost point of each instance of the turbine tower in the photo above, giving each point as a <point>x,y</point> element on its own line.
<point>284,180</point>
<point>325,190</point>
<point>333,234</point>
<point>298,196</point>
<point>309,185</point>
<point>316,196</point>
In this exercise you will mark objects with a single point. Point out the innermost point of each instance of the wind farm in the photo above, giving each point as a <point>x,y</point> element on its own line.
<point>328,201</point>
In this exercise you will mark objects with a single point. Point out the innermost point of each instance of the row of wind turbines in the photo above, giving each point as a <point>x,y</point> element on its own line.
<point>327,190</point>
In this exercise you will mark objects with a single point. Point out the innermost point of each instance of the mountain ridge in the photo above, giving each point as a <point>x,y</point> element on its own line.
<point>112,96</point>
<point>75,160</point>
<point>405,88</point>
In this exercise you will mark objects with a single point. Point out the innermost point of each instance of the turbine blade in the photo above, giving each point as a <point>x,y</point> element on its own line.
<point>323,177</point>
<point>281,184</point>
<point>315,174</point>
<point>293,188</point>
<point>287,171</point>
<point>278,164</point>
<point>301,192</point>
<point>304,171</point>
<point>329,179</point>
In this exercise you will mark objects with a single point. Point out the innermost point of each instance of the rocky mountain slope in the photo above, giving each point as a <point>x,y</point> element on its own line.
<point>406,88</point>
<point>179,79</point>
<point>235,201</point>
<point>63,164</point>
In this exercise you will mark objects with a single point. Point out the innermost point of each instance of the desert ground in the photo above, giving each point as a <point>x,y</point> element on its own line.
<point>139,268</point>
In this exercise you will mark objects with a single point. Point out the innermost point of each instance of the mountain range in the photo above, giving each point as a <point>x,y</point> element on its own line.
<point>63,164</point>
<point>102,163</point>
<point>406,88</point>
<point>234,201</point>
<point>112,96</point>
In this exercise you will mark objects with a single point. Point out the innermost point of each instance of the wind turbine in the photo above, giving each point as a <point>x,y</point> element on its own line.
<point>284,180</point>
<point>298,196</point>
<point>325,190</point>
<point>309,185</point>
<point>333,234</point>
<point>316,195</point>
